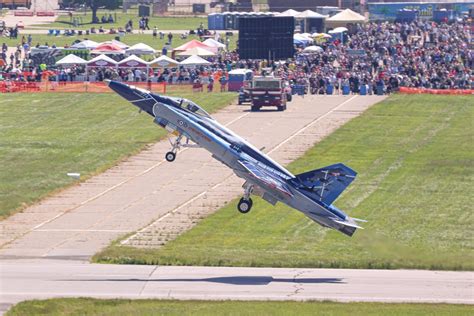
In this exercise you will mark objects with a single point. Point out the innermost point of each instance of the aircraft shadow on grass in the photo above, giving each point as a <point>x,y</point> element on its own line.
<point>234,280</point>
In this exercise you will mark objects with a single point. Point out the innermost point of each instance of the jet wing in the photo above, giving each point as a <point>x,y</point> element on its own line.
<point>327,183</point>
<point>270,181</point>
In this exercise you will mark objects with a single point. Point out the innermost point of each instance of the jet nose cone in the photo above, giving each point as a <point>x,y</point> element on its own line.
<point>124,90</point>
<point>138,97</point>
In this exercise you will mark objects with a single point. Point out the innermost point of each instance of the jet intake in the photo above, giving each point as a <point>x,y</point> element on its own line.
<point>165,124</point>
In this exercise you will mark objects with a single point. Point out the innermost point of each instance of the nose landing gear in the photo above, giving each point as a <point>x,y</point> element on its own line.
<point>175,146</point>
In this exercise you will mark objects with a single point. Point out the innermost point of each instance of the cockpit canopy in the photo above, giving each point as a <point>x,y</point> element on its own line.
<point>186,105</point>
<point>193,107</point>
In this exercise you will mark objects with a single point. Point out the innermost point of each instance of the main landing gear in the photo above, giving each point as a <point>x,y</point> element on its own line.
<point>175,146</point>
<point>245,203</point>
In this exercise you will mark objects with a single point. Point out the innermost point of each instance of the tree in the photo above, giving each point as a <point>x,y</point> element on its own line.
<point>95,5</point>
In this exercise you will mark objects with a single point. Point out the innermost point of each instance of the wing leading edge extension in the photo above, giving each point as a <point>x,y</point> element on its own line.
<point>272,182</point>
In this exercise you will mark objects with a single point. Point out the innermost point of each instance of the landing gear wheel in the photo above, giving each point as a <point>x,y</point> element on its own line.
<point>244,205</point>
<point>170,156</point>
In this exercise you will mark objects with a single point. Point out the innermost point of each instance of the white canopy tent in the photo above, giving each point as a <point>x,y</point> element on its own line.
<point>163,62</point>
<point>101,60</point>
<point>289,12</point>
<point>140,49</point>
<point>309,14</point>
<point>344,18</point>
<point>71,59</point>
<point>132,62</point>
<point>313,49</point>
<point>198,51</point>
<point>339,29</point>
<point>213,43</point>
<point>194,61</point>
<point>85,44</point>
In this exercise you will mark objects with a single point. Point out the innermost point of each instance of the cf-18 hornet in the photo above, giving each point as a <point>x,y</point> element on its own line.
<point>311,193</point>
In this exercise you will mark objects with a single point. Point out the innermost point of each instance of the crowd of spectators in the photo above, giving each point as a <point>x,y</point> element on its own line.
<point>421,54</point>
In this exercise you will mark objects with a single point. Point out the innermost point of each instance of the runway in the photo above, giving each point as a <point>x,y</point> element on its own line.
<point>22,280</point>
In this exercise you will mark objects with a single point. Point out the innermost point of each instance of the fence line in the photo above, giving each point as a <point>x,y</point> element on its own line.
<point>436,91</point>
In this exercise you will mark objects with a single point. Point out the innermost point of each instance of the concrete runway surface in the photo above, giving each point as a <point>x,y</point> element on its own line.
<point>51,278</point>
<point>44,250</point>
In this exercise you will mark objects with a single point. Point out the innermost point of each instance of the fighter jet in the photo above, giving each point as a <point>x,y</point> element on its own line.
<point>311,193</point>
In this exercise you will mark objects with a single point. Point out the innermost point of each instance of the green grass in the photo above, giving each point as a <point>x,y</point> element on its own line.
<point>414,155</point>
<point>129,39</point>
<point>45,135</point>
<point>162,23</point>
<point>116,307</point>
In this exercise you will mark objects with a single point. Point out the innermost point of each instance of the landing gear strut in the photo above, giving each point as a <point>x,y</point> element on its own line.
<point>245,203</point>
<point>171,155</point>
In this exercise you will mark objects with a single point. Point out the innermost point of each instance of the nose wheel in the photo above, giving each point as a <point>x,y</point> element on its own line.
<point>170,156</point>
<point>244,205</point>
<point>175,146</point>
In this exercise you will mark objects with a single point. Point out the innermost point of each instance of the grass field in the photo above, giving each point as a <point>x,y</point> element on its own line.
<point>61,41</point>
<point>45,135</point>
<point>162,23</point>
<point>86,306</point>
<point>414,155</point>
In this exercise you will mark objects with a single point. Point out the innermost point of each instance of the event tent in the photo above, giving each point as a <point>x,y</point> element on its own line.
<point>321,35</point>
<point>71,59</point>
<point>101,61</point>
<point>85,44</point>
<point>192,44</point>
<point>303,37</point>
<point>132,62</point>
<point>118,43</point>
<point>163,62</point>
<point>309,14</point>
<point>289,12</point>
<point>140,49</point>
<point>313,49</point>
<point>344,18</point>
<point>194,61</point>
<point>340,29</point>
<point>108,49</point>
<point>198,51</point>
<point>213,43</point>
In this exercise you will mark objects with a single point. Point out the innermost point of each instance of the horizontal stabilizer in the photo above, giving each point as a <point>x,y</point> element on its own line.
<point>327,183</point>
<point>359,220</point>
